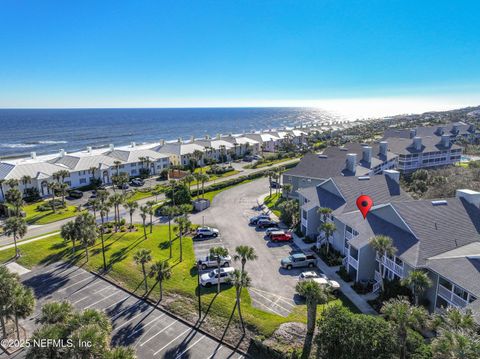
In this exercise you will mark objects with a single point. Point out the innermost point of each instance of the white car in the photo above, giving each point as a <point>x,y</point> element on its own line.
<point>211,278</point>
<point>206,232</point>
<point>321,279</point>
<point>269,231</point>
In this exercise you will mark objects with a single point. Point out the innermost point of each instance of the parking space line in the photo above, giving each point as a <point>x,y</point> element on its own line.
<point>146,325</point>
<point>272,302</point>
<point>215,352</point>
<point>279,296</point>
<point>161,331</point>
<point>88,286</point>
<point>128,321</point>
<point>268,308</point>
<point>74,284</point>
<point>123,311</point>
<point>171,341</point>
<point>101,300</point>
<point>190,347</point>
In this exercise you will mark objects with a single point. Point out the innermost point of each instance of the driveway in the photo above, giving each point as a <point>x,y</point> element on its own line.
<point>273,288</point>
<point>152,332</point>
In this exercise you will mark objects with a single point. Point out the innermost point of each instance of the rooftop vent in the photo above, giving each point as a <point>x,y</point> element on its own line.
<point>363,178</point>
<point>343,149</point>
<point>322,156</point>
<point>439,203</point>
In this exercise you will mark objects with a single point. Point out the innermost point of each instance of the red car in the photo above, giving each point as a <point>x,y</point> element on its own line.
<point>280,236</point>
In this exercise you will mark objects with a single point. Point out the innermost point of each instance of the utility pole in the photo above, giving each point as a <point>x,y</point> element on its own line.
<point>199,296</point>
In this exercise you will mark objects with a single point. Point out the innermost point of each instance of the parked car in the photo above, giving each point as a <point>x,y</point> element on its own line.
<point>137,182</point>
<point>124,186</point>
<point>211,261</point>
<point>75,194</point>
<point>321,279</point>
<point>298,260</point>
<point>275,184</point>
<point>269,231</point>
<point>334,285</point>
<point>257,157</point>
<point>248,158</point>
<point>93,195</point>
<point>281,236</point>
<point>212,277</point>
<point>203,232</point>
<point>266,223</point>
<point>255,219</point>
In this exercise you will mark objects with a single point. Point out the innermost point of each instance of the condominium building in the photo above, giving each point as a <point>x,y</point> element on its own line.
<point>454,130</point>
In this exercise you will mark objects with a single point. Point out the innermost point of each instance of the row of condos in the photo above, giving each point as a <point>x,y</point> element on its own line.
<point>441,237</point>
<point>83,166</point>
<point>355,159</point>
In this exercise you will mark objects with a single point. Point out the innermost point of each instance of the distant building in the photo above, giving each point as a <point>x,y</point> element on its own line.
<point>454,130</point>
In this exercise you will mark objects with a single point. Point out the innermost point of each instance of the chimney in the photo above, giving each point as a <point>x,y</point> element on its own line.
<point>207,137</point>
<point>33,155</point>
<point>132,144</point>
<point>111,146</point>
<point>413,133</point>
<point>470,196</point>
<point>162,142</point>
<point>351,163</point>
<point>192,138</point>
<point>89,149</point>
<point>393,175</point>
<point>179,140</point>
<point>417,143</point>
<point>367,154</point>
<point>218,136</point>
<point>383,148</point>
<point>439,130</point>
<point>446,140</point>
<point>62,153</point>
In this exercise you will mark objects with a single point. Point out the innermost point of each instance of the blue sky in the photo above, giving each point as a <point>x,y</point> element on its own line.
<point>234,52</point>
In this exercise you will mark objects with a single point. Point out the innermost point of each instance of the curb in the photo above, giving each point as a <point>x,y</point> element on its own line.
<point>180,319</point>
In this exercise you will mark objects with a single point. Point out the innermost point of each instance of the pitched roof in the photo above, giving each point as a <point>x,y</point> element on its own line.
<point>83,160</point>
<point>32,169</point>
<point>133,154</point>
<point>463,128</point>
<point>429,144</point>
<point>179,148</point>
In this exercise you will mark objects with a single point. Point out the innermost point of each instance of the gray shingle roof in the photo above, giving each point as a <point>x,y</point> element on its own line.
<point>463,271</point>
<point>32,169</point>
<point>429,144</point>
<point>134,155</point>
<point>428,130</point>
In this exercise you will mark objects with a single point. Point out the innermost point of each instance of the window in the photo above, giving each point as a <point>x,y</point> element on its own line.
<point>304,214</point>
<point>134,171</point>
<point>83,180</point>
<point>133,165</point>
<point>445,283</point>
<point>441,303</point>
<point>460,292</point>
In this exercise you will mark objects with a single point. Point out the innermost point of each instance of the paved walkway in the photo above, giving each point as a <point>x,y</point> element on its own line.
<point>359,301</point>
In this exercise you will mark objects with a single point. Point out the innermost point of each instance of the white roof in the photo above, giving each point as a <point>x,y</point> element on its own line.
<point>214,143</point>
<point>36,169</point>
<point>179,148</point>
<point>84,160</point>
<point>131,154</point>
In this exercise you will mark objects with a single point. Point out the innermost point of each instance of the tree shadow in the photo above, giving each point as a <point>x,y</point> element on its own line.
<point>128,335</point>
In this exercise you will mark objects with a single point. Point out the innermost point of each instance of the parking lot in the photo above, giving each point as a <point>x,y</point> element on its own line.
<point>273,288</point>
<point>152,332</point>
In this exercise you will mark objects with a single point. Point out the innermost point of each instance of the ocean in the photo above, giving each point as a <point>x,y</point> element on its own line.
<point>49,130</point>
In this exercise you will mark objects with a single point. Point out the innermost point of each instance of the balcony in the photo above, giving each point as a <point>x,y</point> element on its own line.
<point>391,265</point>
<point>451,297</point>
<point>349,260</point>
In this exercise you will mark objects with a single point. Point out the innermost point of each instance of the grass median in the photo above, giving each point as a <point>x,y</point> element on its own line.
<point>35,216</point>
<point>180,290</point>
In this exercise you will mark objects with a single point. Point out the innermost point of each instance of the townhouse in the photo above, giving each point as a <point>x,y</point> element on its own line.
<point>180,152</point>
<point>424,152</point>
<point>268,142</point>
<point>243,145</point>
<point>216,149</point>
<point>455,130</point>
<point>353,159</point>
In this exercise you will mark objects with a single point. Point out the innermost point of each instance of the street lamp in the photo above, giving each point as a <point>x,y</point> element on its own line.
<point>199,289</point>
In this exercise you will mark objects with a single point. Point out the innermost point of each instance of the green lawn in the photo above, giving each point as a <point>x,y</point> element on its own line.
<point>33,216</point>
<point>213,176</point>
<point>273,202</point>
<point>268,163</point>
<point>120,249</point>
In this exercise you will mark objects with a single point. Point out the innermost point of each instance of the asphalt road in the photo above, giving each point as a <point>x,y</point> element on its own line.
<point>273,288</point>
<point>152,332</point>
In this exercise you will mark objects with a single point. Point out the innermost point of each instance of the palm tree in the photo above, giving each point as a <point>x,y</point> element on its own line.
<point>204,178</point>
<point>23,304</point>
<point>404,317</point>
<point>15,199</point>
<point>121,353</point>
<point>95,203</point>
<point>151,212</point>
<point>131,206</point>
<point>244,254</point>
<point>384,247</point>
<point>324,212</point>
<point>68,233</point>
<point>419,281</point>
<point>61,175</point>
<point>169,212</point>
<point>143,213</point>
<point>52,186</point>
<point>117,166</point>
<point>142,257</point>
<point>270,174</point>
<point>8,283</point>
<point>287,189</point>
<point>328,228</point>
<point>92,170</point>
<point>161,271</point>
<point>117,200</point>
<point>198,179</point>
<point>62,189</point>
<point>12,182</point>
<point>314,294</point>
<point>173,185</point>
<point>218,253</point>
<point>26,180</point>
<point>184,225</point>
<point>240,280</point>
<point>103,212</point>
<point>86,230</point>
<point>17,227</point>
<point>189,179</point>
<point>56,312</point>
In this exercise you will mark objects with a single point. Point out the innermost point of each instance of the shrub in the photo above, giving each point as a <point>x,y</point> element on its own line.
<point>47,206</point>
<point>332,258</point>
<point>31,195</point>
<point>343,273</point>
<point>309,239</point>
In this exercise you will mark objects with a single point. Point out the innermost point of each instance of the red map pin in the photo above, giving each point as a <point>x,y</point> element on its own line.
<point>364,203</point>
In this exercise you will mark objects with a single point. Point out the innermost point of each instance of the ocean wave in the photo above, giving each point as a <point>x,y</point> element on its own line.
<point>18,145</point>
<point>45,142</point>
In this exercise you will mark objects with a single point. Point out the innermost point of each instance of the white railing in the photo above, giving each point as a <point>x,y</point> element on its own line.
<point>451,297</point>
<point>353,262</point>
<point>394,267</point>
<point>378,276</point>
<point>345,262</point>
<point>376,287</point>
<point>349,236</point>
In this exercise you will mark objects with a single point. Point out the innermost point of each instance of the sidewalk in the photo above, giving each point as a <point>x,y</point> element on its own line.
<point>345,287</point>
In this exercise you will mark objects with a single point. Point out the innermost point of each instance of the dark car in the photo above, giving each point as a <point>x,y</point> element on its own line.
<point>266,223</point>
<point>76,194</point>
<point>275,184</point>
<point>255,219</point>
<point>137,182</point>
